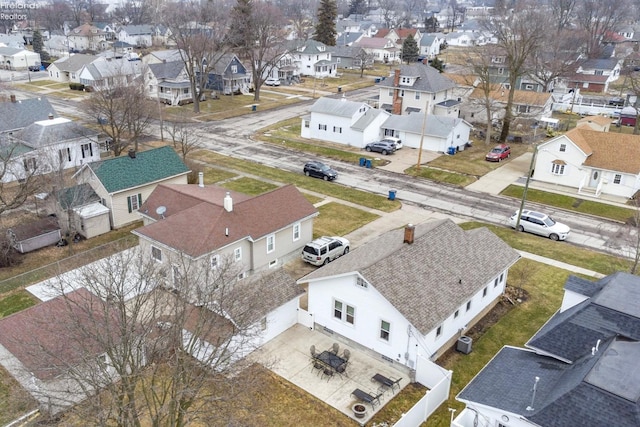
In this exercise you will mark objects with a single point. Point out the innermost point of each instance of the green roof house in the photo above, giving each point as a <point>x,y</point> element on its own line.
<point>124,183</point>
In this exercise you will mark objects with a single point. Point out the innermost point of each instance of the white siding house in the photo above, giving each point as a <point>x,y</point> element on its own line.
<point>394,295</point>
<point>441,133</point>
<point>343,122</point>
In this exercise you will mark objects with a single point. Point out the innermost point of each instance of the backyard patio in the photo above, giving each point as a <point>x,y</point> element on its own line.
<point>289,355</point>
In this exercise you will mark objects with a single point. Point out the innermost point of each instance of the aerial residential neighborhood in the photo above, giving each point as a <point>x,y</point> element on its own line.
<point>328,212</point>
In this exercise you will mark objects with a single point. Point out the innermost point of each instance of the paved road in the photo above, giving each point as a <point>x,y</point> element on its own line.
<point>233,137</point>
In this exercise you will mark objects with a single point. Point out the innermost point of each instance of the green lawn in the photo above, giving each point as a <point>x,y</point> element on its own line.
<point>336,219</point>
<point>572,203</point>
<point>15,302</point>
<point>250,186</point>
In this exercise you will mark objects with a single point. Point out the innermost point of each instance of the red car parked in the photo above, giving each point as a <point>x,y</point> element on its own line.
<point>498,153</point>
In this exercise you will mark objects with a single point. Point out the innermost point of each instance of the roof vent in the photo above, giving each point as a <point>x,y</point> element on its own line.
<point>132,153</point>
<point>228,202</point>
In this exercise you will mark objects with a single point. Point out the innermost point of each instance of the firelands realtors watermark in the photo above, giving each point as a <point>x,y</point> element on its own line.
<point>16,11</point>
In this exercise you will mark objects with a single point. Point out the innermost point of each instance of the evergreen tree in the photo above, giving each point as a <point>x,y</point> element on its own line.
<point>437,64</point>
<point>325,31</point>
<point>38,45</point>
<point>357,7</point>
<point>240,34</point>
<point>410,51</point>
<point>431,24</point>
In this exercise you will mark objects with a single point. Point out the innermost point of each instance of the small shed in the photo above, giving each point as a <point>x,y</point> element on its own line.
<point>92,220</point>
<point>35,235</point>
<point>628,116</point>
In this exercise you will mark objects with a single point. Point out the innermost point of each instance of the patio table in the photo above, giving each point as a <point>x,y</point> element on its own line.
<point>332,360</point>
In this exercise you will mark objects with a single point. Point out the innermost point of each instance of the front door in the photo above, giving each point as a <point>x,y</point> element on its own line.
<point>595,178</point>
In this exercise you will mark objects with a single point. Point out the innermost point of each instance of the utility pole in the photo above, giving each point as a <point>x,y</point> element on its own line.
<point>526,185</point>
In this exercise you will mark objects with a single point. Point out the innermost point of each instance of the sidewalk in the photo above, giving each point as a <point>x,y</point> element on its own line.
<point>560,264</point>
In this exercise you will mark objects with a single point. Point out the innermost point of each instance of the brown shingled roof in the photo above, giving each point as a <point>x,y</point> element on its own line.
<point>605,149</point>
<point>197,225</point>
<point>522,97</point>
<point>600,120</point>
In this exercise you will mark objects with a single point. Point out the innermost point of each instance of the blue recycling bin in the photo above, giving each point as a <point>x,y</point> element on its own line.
<point>368,163</point>
<point>377,79</point>
<point>363,161</point>
<point>392,194</point>
<point>254,107</point>
<point>451,151</point>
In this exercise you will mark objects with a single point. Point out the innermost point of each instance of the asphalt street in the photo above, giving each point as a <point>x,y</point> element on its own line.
<point>233,137</point>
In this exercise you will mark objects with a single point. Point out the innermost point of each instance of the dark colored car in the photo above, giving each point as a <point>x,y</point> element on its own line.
<point>384,147</point>
<point>498,153</point>
<point>320,170</point>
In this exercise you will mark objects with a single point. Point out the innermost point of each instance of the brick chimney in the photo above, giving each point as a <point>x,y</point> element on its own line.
<point>396,105</point>
<point>409,233</point>
<point>13,98</point>
<point>132,153</point>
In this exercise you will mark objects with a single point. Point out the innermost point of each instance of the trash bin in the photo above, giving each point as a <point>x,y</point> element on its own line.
<point>368,163</point>
<point>392,194</point>
<point>254,107</point>
<point>339,89</point>
<point>377,79</point>
<point>363,161</point>
<point>451,151</point>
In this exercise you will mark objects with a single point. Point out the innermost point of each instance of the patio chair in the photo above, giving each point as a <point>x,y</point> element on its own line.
<point>342,369</point>
<point>312,349</point>
<point>335,348</point>
<point>328,372</point>
<point>346,354</point>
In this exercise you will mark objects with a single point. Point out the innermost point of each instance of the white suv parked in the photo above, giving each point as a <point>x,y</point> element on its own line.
<point>539,223</point>
<point>325,249</point>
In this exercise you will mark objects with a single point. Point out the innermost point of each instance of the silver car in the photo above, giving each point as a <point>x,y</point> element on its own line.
<point>540,223</point>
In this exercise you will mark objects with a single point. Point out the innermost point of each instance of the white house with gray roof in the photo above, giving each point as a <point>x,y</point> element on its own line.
<point>51,145</point>
<point>67,69</point>
<point>136,35</point>
<point>343,122</point>
<point>105,72</point>
<point>411,291</point>
<point>417,88</point>
<point>314,59</point>
<point>440,132</point>
<point>168,82</point>
<point>18,59</point>
<point>19,113</point>
<point>429,45</point>
<point>579,369</point>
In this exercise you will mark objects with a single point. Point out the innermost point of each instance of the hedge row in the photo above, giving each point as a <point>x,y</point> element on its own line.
<point>76,86</point>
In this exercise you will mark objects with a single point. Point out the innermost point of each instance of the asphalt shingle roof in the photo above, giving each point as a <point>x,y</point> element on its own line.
<point>337,107</point>
<point>52,131</point>
<point>428,79</point>
<point>439,126</point>
<point>74,63</point>
<point>604,148</point>
<point>19,114</point>
<point>123,172</point>
<point>427,280</point>
<point>167,70</point>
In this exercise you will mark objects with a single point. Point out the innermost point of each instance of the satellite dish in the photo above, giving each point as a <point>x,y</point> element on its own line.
<point>161,210</point>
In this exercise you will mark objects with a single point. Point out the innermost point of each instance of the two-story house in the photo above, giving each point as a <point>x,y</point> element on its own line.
<point>88,37</point>
<point>527,107</point>
<point>17,114</point>
<point>380,48</point>
<point>228,75</point>
<point>411,291</point>
<point>417,88</point>
<point>168,82</point>
<point>50,145</point>
<point>594,75</point>
<point>579,369</point>
<point>343,122</point>
<point>213,226</point>
<point>314,59</point>
<point>136,35</point>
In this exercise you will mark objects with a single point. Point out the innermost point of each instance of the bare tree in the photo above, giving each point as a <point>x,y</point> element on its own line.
<point>134,12</point>
<point>388,8</point>
<point>185,138</point>
<point>518,33</point>
<point>363,60</point>
<point>257,32</point>
<point>632,83</point>
<point>122,108</point>
<point>596,18</point>
<point>157,342</point>
<point>53,15</point>
<point>300,15</point>
<point>20,175</point>
<point>199,31</point>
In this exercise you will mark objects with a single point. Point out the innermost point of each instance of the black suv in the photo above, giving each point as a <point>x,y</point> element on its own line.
<point>320,170</point>
<point>385,147</point>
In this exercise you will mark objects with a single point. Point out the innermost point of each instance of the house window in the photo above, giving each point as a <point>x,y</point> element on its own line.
<point>598,73</point>
<point>563,148</point>
<point>337,129</point>
<point>234,69</point>
<point>500,70</point>
<point>484,292</point>
<point>296,232</point>
<point>215,261</point>
<point>438,331</point>
<point>617,178</point>
<point>237,254</point>
<point>322,127</point>
<point>417,95</point>
<point>557,167</point>
<point>360,282</point>
<point>263,323</point>
<point>306,124</point>
<point>134,201</point>
<point>177,277</point>
<point>242,275</point>
<point>271,243</point>
<point>87,150</point>
<point>343,312</point>
<point>501,277</point>
<point>468,305</point>
<point>456,314</point>
<point>495,283</point>
<point>390,92</point>
<point>385,330</point>
<point>402,93</point>
<point>156,253</point>
<point>528,87</point>
<point>64,155</point>
<point>524,108</point>
<point>406,80</point>
<point>29,164</point>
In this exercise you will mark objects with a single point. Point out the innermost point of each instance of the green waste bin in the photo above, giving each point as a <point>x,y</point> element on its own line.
<point>254,107</point>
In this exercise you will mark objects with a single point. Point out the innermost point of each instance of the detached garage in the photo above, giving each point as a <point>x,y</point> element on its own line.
<point>35,235</point>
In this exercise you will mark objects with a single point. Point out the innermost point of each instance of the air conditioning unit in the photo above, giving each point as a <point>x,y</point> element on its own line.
<point>464,344</point>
